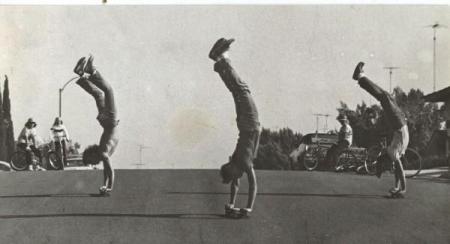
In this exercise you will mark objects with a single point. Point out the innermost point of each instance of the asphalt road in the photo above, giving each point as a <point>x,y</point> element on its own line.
<point>186,206</point>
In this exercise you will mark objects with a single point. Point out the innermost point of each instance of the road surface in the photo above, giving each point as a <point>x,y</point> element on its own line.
<point>186,206</point>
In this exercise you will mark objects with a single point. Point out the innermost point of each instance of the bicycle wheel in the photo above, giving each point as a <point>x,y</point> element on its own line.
<point>412,163</point>
<point>312,159</point>
<point>54,161</point>
<point>371,159</point>
<point>19,161</point>
<point>343,162</point>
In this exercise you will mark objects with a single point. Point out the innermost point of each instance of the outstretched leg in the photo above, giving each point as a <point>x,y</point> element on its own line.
<point>94,91</point>
<point>97,79</point>
<point>368,85</point>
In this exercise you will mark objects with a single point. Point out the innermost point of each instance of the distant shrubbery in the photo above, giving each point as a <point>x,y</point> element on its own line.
<point>422,118</point>
<point>275,147</point>
<point>7,145</point>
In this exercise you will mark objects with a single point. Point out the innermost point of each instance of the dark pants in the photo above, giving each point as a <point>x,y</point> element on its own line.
<point>335,152</point>
<point>394,115</point>
<point>103,94</point>
<point>246,111</point>
<point>396,120</point>
<point>29,153</point>
<point>61,145</point>
<point>101,91</point>
<point>246,149</point>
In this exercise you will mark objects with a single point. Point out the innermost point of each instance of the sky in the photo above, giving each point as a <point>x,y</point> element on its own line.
<point>297,60</point>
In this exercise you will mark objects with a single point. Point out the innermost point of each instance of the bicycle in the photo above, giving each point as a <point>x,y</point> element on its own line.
<point>350,160</point>
<point>412,161</point>
<point>314,155</point>
<point>316,152</point>
<point>22,159</point>
<point>56,158</point>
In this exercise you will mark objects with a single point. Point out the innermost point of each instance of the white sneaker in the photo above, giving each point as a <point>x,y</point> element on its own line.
<point>39,168</point>
<point>104,190</point>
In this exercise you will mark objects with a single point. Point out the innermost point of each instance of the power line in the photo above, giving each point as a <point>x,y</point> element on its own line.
<point>435,27</point>
<point>141,148</point>
<point>390,68</point>
<point>317,121</point>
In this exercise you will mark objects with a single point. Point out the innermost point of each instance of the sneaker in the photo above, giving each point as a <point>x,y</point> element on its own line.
<point>229,207</point>
<point>232,213</point>
<point>397,193</point>
<point>79,67</point>
<point>245,212</point>
<point>394,190</point>
<point>90,68</point>
<point>358,71</point>
<point>339,168</point>
<point>222,45</point>
<point>39,168</point>
<point>104,190</point>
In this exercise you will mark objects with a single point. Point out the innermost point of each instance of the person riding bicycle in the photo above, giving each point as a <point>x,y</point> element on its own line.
<point>28,142</point>
<point>95,85</point>
<point>59,136</point>
<point>345,138</point>
<point>396,121</point>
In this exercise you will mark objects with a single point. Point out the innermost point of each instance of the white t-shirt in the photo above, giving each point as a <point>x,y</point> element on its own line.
<point>346,134</point>
<point>28,136</point>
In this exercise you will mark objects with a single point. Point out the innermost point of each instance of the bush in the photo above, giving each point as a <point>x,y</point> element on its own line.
<point>275,147</point>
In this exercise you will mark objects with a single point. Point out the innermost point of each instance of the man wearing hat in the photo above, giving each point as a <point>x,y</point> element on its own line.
<point>345,138</point>
<point>28,140</point>
<point>396,120</point>
<point>249,130</point>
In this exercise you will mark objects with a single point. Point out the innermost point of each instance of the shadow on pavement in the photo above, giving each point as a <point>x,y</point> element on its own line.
<point>287,194</point>
<point>114,215</point>
<point>431,179</point>
<point>53,195</point>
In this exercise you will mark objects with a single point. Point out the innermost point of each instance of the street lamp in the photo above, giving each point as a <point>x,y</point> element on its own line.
<point>141,148</point>
<point>60,93</point>
<point>390,68</point>
<point>434,27</point>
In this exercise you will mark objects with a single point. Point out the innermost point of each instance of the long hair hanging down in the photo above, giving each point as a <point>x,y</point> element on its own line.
<point>89,153</point>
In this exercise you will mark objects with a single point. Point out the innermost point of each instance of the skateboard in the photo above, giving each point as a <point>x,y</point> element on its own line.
<point>235,213</point>
<point>104,192</point>
<point>396,195</point>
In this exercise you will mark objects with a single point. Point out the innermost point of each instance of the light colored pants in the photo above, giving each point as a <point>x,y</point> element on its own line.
<point>298,152</point>
<point>399,143</point>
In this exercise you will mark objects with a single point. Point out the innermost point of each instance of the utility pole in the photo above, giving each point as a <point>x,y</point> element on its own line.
<point>317,121</point>
<point>390,68</point>
<point>60,95</point>
<point>435,27</point>
<point>141,148</point>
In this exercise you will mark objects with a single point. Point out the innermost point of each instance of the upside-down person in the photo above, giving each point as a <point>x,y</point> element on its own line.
<point>248,125</point>
<point>397,122</point>
<point>94,84</point>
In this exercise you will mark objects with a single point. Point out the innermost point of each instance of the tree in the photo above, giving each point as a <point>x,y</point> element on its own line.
<point>2,132</point>
<point>422,120</point>
<point>9,130</point>
<point>274,149</point>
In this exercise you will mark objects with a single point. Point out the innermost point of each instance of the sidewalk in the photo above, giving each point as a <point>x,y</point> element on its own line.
<point>434,173</point>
